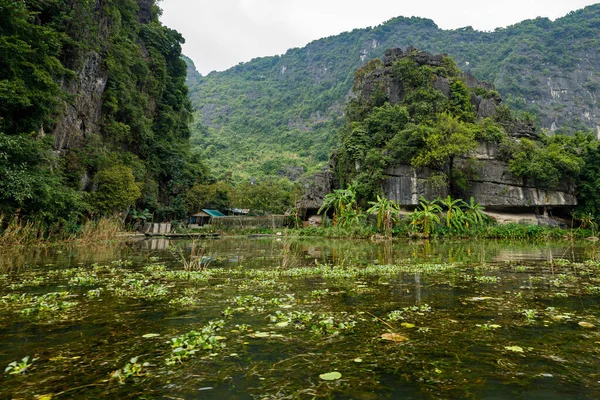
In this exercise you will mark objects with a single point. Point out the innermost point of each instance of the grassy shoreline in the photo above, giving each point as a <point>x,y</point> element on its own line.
<point>23,234</point>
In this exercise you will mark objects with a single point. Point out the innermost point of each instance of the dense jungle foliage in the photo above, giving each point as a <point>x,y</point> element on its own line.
<point>428,128</point>
<point>278,115</point>
<point>140,155</point>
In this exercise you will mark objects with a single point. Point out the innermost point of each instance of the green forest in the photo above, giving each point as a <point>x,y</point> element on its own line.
<point>277,116</point>
<point>96,118</point>
<point>140,153</point>
<point>428,128</point>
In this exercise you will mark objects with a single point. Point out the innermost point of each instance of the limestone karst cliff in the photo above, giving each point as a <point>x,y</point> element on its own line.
<point>547,68</point>
<point>418,126</point>
<point>95,89</point>
<point>489,180</point>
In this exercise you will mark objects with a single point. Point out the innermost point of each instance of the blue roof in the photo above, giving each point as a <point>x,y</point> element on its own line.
<point>214,213</point>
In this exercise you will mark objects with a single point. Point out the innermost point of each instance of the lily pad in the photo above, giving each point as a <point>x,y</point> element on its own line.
<point>516,349</point>
<point>394,337</point>
<point>358,360</point>
<point>587,325</point>
<point>330,376</point>
<point>484,298</point>
<point>282,324</point>
<point>150,335</point>
<point>407,325</point>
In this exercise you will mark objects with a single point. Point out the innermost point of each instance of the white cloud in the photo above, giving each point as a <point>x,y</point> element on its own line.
<point>221,34</point>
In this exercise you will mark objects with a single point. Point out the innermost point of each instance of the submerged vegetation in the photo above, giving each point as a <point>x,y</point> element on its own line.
<point>326,327</point>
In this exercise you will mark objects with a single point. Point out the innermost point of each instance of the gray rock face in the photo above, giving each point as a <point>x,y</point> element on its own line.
<point>472,82</point>
<point>144,14</point>
<point>84,116</point>
<point>490,184</point>
<point>560,97</point>
<point>315,189</point>
<point>521,129</point>
<point>406,185</point>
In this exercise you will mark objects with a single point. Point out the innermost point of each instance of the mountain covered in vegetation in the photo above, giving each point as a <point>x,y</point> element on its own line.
<point>418,126</point>
<point>94,111</point>
<point>278,115</point>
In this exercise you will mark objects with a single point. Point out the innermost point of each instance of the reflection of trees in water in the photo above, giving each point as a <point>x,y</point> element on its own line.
<point>592,251</point>
<point>574,251</point>
<point>14,260</point>
<point>292,252</point>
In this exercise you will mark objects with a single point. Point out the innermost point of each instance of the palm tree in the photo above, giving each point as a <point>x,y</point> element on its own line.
<point>427,217</point>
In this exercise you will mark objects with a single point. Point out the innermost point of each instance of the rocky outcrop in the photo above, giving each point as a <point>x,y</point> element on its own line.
<point>84,115</point>
<point>315,189</point>
<point>382,78</point>
<point>144,13</point>
<point>489,183</point>
<point>405,185</point>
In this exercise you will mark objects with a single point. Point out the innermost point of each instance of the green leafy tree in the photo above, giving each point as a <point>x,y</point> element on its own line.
<point>442,142</point>
<point>31,186</point>
<point>30,70</point>
<point>214,196</point>
<point>550,161</point>
<point>270,196</point>
<point>116,190</point>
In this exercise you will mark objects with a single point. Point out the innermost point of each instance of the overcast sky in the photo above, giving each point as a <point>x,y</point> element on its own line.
<point>222,33</point>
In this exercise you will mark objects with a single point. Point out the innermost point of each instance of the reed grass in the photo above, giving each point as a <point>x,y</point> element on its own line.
<point>100,229</point>
<point>18,231</point>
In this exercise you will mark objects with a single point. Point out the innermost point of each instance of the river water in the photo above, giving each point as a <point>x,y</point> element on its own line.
<point>275,317</point>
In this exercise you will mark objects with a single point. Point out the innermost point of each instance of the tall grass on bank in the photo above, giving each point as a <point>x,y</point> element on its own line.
<point>17,231</point>
<point>100,229</point>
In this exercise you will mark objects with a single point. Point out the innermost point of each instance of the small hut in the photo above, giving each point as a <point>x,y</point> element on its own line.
<point>204,217</point>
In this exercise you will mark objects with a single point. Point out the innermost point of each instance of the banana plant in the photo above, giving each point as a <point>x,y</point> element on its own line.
<point>474,213</point>
<point>343,202</point>
<point>455,217</point>
<point>426,217</point>
<point>387,212</point>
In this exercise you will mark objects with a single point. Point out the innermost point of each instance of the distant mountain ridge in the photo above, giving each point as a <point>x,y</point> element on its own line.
<point>271,114</point>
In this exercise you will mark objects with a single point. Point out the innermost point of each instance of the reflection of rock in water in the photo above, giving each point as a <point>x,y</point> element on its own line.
<point>545,254</point>
<point>418,288</point>
<point>156,244</point>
